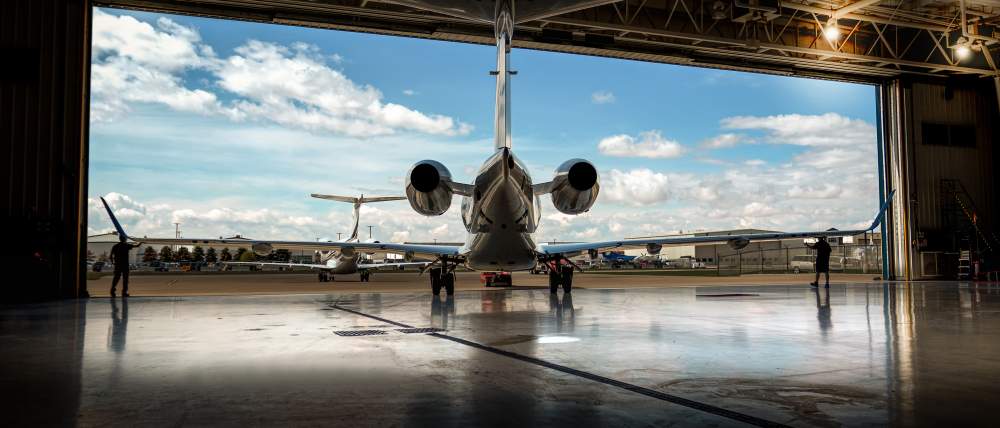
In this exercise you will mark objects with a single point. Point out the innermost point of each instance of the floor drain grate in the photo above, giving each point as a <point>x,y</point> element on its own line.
<point>419,330</point>
<point>359,332</point>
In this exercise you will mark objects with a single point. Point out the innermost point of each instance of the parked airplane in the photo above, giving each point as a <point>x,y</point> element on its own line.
<point>615,258</point>
<point>501,208</point>
<point>336,262</point>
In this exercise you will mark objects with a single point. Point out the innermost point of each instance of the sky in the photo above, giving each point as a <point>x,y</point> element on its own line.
<point>226,127</point>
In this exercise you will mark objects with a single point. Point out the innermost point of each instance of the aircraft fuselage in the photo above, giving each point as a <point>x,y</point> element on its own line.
<point>501,215</point>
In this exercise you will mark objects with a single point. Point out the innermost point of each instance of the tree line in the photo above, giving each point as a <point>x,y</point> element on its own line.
<point>199,254</point>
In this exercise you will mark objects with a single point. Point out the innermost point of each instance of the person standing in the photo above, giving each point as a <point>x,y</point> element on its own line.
<point>822,264</point>
<point>119,257</point>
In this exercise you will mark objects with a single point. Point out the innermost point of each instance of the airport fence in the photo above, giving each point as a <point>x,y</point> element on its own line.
<point>864,259</point>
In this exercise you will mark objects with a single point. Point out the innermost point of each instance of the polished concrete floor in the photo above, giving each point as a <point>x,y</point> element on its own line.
<point>857,354</point>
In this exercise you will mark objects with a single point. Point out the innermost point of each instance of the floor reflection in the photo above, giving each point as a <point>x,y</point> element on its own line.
<point>118,330</point>
<point>914,354</point>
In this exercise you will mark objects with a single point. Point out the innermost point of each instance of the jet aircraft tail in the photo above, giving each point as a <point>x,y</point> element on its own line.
<point>357,201</point>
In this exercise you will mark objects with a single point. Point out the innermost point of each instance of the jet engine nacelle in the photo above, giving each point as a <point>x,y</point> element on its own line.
<point>575,187</point>
<point>427,188</point>
<point>738,243</point>
<point>262,249</point>
<point>653,249</point>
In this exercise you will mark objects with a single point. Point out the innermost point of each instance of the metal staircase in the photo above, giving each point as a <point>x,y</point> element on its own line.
<point>972,236</point>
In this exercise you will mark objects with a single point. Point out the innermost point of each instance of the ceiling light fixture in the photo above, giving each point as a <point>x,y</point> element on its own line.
<point>832,31</point>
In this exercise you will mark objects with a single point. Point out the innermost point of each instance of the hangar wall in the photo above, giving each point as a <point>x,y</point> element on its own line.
<point>43,161</point>
<point>937,133</point>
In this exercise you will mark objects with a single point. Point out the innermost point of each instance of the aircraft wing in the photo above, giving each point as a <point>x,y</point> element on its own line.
<point>307,265</point>
<point>734,240</point>
<point>430,251</point>
<point>386,265</point>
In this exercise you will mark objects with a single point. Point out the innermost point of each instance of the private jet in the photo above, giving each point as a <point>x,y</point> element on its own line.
<point>501,208</point>
<point>338,262</point>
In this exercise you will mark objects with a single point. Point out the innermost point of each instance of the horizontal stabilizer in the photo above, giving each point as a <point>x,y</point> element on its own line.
<point>356,200</point>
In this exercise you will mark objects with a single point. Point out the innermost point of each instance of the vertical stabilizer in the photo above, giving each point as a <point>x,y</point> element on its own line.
<point>503,29</point>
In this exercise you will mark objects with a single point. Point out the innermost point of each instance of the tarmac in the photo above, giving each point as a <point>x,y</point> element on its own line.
<point>618,351</point>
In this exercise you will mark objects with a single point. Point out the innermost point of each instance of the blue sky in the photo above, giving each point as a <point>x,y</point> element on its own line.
<point>228,126</point>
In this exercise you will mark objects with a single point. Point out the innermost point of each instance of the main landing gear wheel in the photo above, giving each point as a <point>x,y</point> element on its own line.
<point>567,279</point>
<point>436,281</point>
<point>449,283</point>
<point>553,281</point>
<point>366,276</point>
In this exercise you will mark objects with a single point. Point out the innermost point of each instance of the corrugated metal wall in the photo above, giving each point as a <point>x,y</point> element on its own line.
<point>43,117</point>
<point>915,169</point>
<point>972,166</point>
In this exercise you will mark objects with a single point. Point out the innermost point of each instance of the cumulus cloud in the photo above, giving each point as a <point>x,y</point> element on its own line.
<point>293,85</point>
<point>214,219</point>
<point>825,130</point>
<point>602,97</point>
<point>831,183</point>
<point>723,141</point>
<point>649,144</point>
<point>133,61</point>
<point>637,187</point>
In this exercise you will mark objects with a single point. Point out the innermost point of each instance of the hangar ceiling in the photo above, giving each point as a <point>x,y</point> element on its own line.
<point>853,39</point>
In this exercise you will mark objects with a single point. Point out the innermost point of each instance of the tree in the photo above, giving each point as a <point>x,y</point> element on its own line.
<point>239,254</point>
<point>282,255</point>
<point>166,254</point>
<point>90,255</point>
<point>210,256</point>
<point>247,256</point>
<point>149,255</point>
<point>225,255</point>
<point>198,255</point>
<point>183,254</point>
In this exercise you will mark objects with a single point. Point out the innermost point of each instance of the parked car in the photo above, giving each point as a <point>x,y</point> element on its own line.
<point>98,266</point>
<point>807,263</point>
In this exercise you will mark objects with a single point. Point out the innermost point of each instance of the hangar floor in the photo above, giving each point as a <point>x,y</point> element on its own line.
<point>856,354</point>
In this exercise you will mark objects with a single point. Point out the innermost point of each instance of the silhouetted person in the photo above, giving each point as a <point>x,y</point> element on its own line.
<point>119,257</point>
<point>823,251</point>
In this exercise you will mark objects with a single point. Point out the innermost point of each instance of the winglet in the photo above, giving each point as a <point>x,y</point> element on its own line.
<point>118,226</point>
<point>880,217</point>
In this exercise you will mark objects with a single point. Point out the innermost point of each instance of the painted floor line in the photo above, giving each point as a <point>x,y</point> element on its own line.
<point>697,405</point>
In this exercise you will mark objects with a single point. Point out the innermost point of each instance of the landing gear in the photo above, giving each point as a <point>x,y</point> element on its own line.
<point>366,276</point>
<point>449,283</point>
<point>560,274</point>
<point>436,281</point>
<point>443,277</point>
<point>567,279</point>
<point>325,277</point>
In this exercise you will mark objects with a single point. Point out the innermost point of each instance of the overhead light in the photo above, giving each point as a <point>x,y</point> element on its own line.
<point>963,51</point>
<point>832,31</point>
<point>718,10</point>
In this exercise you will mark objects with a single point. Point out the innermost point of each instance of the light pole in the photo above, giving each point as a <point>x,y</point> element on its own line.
<point>338,235</point>
<point>177,234</point>
<point>370,231</point>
